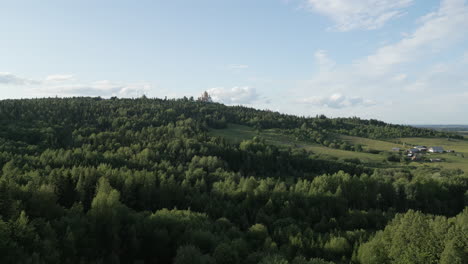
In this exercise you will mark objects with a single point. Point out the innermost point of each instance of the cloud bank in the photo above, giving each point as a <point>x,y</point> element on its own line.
<point>59,78</point>
<point>436,31</point>
<point>235,95</point>
<point>410,76</point>
<point>9,78</point>
<point>100,88</point>
<point>67,85</point>
<point>385,71</point>
<point>337,101</point>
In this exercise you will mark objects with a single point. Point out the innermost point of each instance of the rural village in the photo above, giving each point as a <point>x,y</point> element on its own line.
<point>423,153</point>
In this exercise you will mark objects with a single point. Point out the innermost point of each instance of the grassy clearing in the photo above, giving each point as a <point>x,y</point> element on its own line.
<point>343,154</point>
<point>457,160</point>
<point>454,144</point>
<point>238,133</point>
<point>234,133</point>
<point>372,143</point>
<point>464,134</point>
<point>451,161</point>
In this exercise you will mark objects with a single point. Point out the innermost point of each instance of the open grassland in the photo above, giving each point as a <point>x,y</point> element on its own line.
<point>453,144</point>
<point>464,133</point>
<point>457,160</point>
<point>234,133</point>
<point>238,133</point>
<point>451,161</point>
<point>369,144</point>
<point>344,154</point>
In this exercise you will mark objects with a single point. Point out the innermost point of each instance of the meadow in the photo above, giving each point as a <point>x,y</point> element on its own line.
<point>457,160</point>
<point>237,133</point>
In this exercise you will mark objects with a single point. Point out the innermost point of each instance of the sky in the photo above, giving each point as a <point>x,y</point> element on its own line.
<point>400,61</point>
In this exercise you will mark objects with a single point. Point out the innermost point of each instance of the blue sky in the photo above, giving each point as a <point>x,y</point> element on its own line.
<point>401,61</point>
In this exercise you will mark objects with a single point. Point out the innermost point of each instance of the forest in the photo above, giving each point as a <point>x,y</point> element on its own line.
<point>93,180</point>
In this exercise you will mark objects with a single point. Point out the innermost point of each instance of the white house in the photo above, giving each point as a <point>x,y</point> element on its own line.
<point>421,148</point>
<point>436,149</point>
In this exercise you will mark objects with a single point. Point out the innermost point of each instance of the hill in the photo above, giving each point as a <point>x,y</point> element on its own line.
<point>92,180</point>
<point>460,129</point>
<point>454,128</point>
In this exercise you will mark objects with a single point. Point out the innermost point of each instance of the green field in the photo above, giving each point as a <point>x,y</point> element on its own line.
<point>238,133</point>
<point>372,143</point>
<point>464,133</point>
<point>369,158</point>
<point>458,160</point>
<point>454,144</point>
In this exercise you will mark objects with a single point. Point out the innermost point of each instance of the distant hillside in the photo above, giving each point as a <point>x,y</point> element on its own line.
<point>445,127</point>
<point>33,121</point>
<point>459,129</point>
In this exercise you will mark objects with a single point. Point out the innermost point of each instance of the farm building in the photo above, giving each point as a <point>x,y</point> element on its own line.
<point>413,151</point>
<point>436,149</point>
<point>421,148</point>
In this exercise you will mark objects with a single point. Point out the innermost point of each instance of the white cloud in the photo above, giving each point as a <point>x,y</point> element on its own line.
<point>235,95</point>
<point>360,14</point>
<point>441,78</point>
<point>9,78</point>
<point>238,66</point>
<point>437,30</point>
<point>67,85</point>
<point>59,78</point>
<point>380,73</point>
<point>411,79</point>
<point>101,88</point>
<point>337,101</point>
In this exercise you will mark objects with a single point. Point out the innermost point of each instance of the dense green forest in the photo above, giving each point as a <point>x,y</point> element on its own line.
<point>92,180</point>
